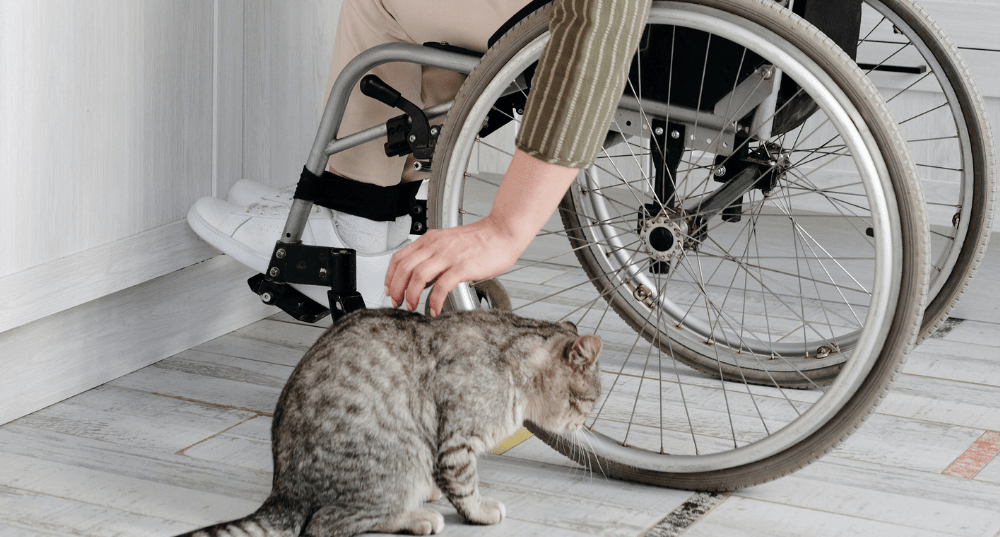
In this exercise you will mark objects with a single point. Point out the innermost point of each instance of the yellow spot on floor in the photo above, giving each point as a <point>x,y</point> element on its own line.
<point>521,435</point>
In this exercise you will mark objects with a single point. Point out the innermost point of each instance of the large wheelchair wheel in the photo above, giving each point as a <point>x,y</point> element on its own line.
<point>941,113</point>
<point>745,260</point>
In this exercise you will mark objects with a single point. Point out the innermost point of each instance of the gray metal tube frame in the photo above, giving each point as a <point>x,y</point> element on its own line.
<point>326,144</point>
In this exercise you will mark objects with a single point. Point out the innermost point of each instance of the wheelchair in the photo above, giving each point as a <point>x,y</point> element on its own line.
<point>752,243</point>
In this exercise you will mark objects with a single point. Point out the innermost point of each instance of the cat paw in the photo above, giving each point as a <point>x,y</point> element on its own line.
<point>425,522</point>
<point>437,525</point>
<point>489,512</point>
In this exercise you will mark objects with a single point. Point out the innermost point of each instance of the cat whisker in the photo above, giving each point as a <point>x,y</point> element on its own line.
<point>593,450</point>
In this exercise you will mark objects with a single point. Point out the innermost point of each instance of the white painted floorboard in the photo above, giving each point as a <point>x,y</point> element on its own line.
<point>185,442</point>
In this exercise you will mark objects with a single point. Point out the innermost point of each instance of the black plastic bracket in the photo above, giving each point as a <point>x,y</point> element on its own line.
<point>297,263</point>
<point>418,217</point>
<point>405,134</point>
<point>288,299</point>
<point>767,159</point>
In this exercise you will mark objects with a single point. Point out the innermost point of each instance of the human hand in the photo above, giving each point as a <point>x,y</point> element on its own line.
<point>530,191</point>
<point>447,257</point>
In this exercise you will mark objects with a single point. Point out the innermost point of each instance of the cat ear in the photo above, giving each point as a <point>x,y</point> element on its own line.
<point>568,326</point>
<point>583,354</point>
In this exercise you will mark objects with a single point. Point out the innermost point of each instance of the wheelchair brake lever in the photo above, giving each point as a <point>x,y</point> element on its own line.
<point>410,133</point>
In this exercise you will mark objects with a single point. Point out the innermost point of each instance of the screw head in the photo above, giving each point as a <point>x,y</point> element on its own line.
<point>675,134</point>
<point>767,72</point>
<point>274,272</point>
<point>823,351</point>
<point>720,171</point>
<point>266,297</point>
<point>658,131</point>
<point>641,292</point>
<point>435,131</point>
<point>412,138</point>
<point>280,254</point>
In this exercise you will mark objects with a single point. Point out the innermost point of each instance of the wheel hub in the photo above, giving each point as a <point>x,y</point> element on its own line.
<point>663,237</point>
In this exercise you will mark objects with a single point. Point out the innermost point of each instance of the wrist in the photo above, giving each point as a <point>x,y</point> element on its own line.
<point>510,229</point>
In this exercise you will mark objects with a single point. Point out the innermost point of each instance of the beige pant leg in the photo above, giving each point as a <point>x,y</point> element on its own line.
<point>364,24</point>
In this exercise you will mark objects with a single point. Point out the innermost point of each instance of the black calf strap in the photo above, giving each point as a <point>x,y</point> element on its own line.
<point>377,203</point>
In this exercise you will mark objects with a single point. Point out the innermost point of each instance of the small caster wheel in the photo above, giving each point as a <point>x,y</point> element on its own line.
<point>491,295</point>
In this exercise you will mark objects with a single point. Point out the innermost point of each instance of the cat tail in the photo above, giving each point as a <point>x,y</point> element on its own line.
<point>268,521</point>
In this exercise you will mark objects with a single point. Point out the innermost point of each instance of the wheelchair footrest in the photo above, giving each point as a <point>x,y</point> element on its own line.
<point>288,299</point>
<point>297,263</point>
<point>345,302</point>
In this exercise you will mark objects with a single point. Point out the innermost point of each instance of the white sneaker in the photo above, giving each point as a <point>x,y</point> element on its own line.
<point>248,234</point>
<point>246,192</point>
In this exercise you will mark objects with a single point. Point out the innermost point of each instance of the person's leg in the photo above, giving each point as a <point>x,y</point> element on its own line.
<point>364,24</point>
<point>248,231</point>
<point>367,23</point>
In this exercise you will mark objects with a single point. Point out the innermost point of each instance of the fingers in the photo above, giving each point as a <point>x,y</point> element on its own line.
<point>397,258</point>
<point>444,284</point>
<point>411,270</point>
<point>420,278</point>
<point>404,266</point>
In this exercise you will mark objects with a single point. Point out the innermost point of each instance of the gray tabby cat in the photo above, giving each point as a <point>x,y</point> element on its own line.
<point>389,409</point>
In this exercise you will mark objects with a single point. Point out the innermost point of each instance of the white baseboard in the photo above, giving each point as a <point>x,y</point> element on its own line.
<point>56,286</point>
<point>61,355</point>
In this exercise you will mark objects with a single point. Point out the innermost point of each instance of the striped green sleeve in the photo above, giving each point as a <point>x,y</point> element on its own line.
<point>580,78</point>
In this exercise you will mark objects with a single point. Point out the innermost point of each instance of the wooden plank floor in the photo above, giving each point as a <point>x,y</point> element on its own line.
<point>185,442</point>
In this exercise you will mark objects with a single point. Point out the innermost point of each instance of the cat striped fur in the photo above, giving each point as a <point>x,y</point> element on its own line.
<point>389,409</point>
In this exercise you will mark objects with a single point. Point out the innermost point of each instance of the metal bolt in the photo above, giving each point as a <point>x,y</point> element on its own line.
<point>955,220</point>
<point>641,292</point>
<point>720,171</point>
<point>823,351</point>
<point>767,72</point>
<point>675,134</point>
<point>413,138</point>
<point>322,274</point>
<point>520,111</point>
<point>280,254</point>
<point>274,272</point>
<point>266,297</point>
<point>435,131</point>
<point>658,131</point>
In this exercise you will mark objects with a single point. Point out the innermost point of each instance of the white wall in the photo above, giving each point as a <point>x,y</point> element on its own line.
<point>116,116</point>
